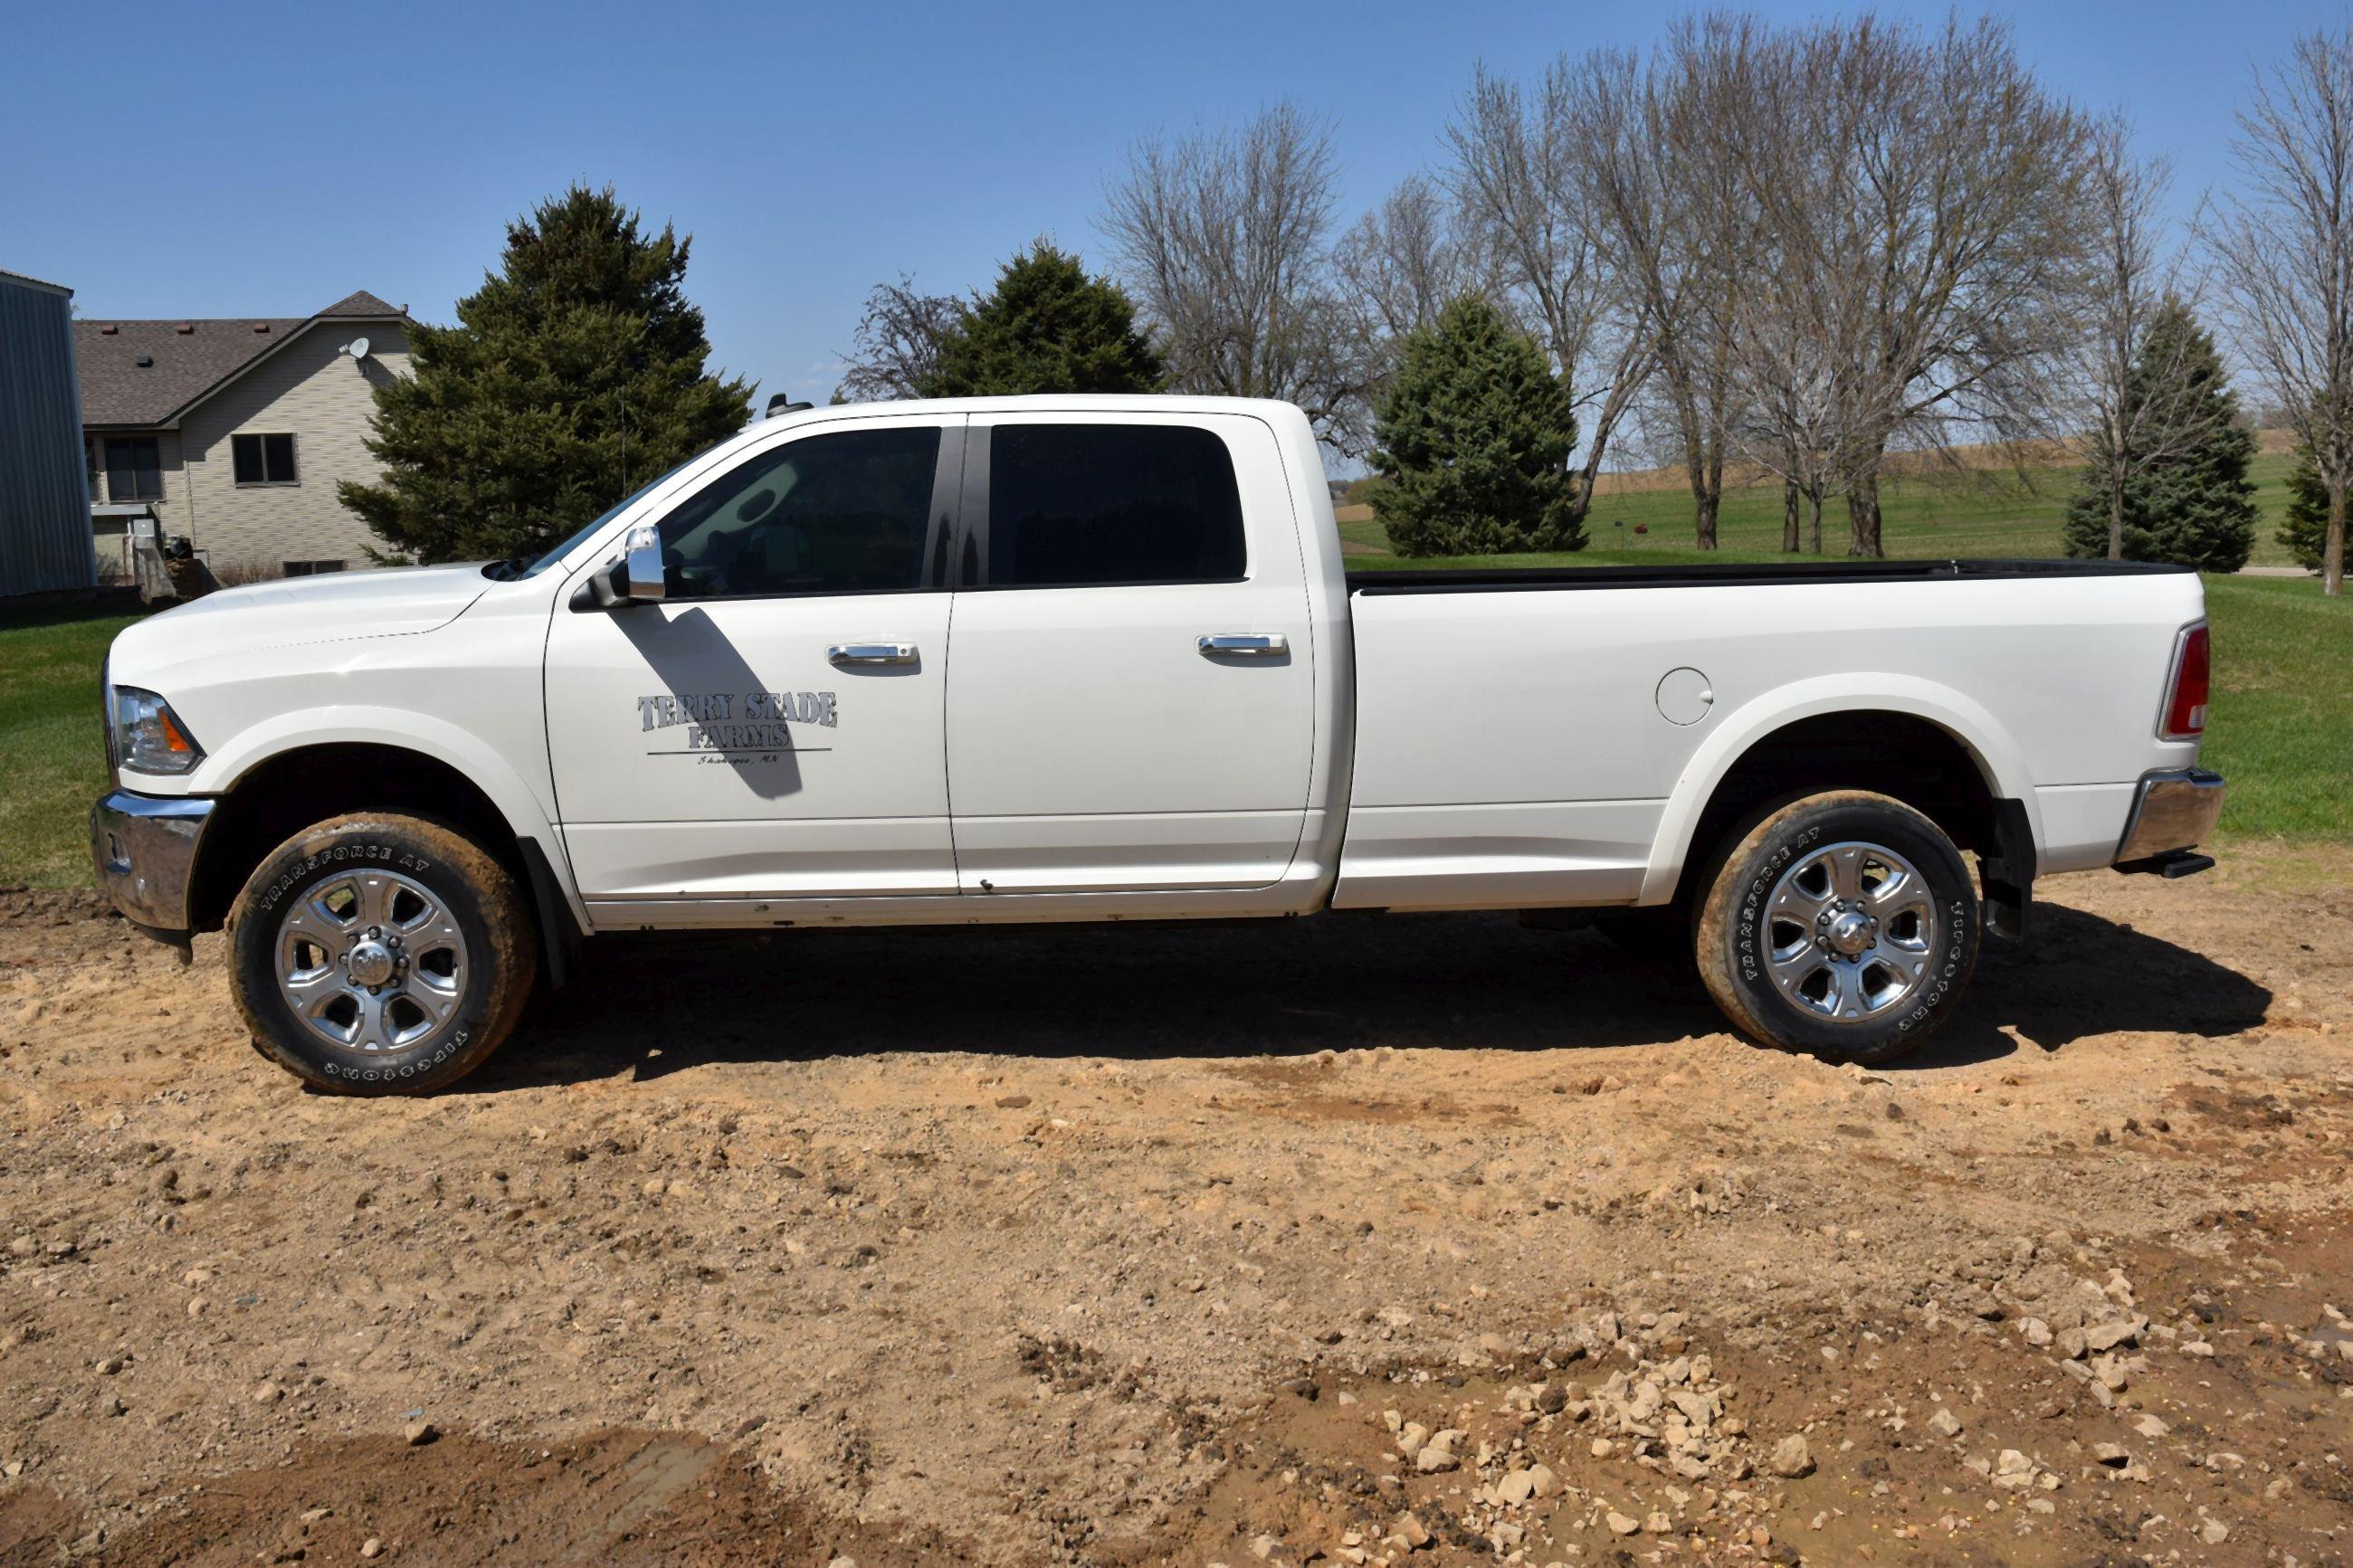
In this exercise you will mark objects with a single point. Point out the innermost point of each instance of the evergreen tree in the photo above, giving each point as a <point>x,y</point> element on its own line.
<point>2304,527</point>
<point>2190,501</point>
<point>576,372</point>
<point>1474,435</point>
<point>1045,327</point>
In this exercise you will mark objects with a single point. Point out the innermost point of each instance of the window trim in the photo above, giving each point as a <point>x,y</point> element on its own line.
<point>946,491</point>
<point>294,454</point>
<point>972,551</point>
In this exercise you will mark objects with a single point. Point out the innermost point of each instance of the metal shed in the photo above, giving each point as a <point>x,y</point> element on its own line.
<point>44,538</point>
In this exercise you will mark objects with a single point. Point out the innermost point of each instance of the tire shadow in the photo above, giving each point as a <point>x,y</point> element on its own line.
<point>645,1006</point>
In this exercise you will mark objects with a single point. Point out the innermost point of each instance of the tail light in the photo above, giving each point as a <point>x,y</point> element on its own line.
<point>2185,702</point>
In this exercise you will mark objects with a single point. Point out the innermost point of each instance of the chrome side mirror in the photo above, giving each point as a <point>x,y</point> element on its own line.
<point>645,564</point>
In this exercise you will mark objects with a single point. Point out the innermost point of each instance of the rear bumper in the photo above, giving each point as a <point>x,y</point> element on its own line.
<point>144,848</point>
<point>2175,809</point>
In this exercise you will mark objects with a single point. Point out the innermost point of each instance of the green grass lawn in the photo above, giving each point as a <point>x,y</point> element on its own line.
<point>51,743</point>
<point>1973,514</point>
<point>2278,726</point>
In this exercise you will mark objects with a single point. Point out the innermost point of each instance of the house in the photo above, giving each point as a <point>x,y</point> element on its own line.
<point>232,433</point>
<point>43,514</point>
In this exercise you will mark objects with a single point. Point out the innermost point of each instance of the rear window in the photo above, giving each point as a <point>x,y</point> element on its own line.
<point>1100,504</point>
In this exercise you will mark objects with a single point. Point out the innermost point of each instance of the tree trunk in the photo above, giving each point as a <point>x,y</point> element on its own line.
<point>1580,495</point>
<point>1703,508</point>
<point>2332,548</point>
<point>1862,516</point>
<point>1790,516</point>
<point>1814,528</point>
<point>1702,504</point>
<point>2116,519</point>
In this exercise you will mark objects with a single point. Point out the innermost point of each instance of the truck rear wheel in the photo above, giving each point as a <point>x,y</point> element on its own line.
<point>380,955</point>
<point>1842,924</point>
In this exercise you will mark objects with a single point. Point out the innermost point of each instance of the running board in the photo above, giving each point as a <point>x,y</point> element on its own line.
<point>2172,865</point>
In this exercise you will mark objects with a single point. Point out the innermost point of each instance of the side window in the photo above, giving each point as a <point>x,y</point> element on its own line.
<point>846,513</point>
<point>1072,504</point>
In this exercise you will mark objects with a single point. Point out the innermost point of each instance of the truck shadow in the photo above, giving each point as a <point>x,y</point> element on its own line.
<point>649,1007</point>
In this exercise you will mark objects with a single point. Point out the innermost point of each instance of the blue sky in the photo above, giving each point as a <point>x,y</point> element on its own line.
<point>266,160</point>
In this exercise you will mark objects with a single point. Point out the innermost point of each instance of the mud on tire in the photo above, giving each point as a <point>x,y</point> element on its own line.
<point>378,893</point>
<point>1842,924</point>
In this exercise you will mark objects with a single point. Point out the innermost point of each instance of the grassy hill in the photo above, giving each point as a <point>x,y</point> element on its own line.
<point>1977,513</point>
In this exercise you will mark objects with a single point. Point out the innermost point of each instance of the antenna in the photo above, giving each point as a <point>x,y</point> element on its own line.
<point>357,348</point>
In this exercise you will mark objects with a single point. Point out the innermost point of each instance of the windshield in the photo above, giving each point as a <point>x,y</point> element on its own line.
<point>616,510</point>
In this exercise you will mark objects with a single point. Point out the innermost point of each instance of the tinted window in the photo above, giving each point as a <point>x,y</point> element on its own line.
<point>1111,504</point>
<point>134,469</point>
<point>262,459</point>
<point>839,514</point>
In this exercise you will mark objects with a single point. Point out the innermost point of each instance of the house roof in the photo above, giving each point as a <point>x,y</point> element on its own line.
<point>362,304</point>
<point>186,366</point>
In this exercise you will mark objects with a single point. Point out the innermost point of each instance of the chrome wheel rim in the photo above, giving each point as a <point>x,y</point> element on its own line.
<point>371,960</point>
<point>1851,931</point>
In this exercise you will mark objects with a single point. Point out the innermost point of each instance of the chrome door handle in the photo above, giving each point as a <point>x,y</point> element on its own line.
<point>1255,644</point>
<point>845,654</point>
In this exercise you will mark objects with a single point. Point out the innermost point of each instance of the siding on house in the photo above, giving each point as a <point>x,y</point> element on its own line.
<point>44,498</point>
<point>310,389</point>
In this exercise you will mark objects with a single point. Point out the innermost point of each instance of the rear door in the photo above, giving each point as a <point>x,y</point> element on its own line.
<point>1129,700</point>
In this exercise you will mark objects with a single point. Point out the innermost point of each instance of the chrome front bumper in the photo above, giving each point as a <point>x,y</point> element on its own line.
<point>144,847</point>
<point>2176,809</point>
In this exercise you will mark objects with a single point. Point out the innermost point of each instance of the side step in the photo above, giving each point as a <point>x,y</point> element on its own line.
<point>2172,865</point>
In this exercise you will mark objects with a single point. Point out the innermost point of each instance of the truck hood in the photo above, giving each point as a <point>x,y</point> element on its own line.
<point>331,608</point>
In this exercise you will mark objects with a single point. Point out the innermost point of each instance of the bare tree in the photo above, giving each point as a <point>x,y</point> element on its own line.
<point>896,348</point>
<point>1922,198</point>
<point>1221,237</point>
<point>1396,267</point>
<point>1404,260</point>
<point>1516,182</point>
<point>2283,257</point>
<point>2141,416</point>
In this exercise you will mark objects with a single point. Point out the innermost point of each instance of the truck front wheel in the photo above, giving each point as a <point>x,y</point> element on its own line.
<point>378,953</point>
<point>1842,924</point>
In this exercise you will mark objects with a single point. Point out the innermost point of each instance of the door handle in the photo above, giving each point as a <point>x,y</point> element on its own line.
<point>846,654</point>
<point>1236,644</point>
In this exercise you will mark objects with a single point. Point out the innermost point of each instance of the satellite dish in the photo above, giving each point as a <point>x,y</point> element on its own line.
<point>358,348</point>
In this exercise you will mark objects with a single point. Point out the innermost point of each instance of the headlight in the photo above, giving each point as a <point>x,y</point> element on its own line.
<point>147,736</point>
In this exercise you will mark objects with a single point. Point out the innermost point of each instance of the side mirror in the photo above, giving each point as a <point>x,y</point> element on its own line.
<point>646,585</point>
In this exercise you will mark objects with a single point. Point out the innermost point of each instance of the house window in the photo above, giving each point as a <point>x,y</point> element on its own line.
<point>97,470</point>
<point>262,459</point>
<point>135,469</point>
<point>310,568</point>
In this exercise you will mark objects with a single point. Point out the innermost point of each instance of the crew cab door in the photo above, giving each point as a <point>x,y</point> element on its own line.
<point>1130,699</point>
<point>773,727</point>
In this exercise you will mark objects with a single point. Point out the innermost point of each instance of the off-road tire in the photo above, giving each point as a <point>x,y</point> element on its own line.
<point>478,894</point>
<point>1731,936</point>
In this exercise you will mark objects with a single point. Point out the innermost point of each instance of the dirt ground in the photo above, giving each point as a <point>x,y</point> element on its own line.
<point>1353,1240</point>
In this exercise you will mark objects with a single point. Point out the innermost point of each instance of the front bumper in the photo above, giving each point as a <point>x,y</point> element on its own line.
<point>2174,810</point>
<point>144,847</point>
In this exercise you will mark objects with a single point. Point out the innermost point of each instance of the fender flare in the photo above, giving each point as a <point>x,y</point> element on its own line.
<point>1998,757</point>
<point>527,816</point>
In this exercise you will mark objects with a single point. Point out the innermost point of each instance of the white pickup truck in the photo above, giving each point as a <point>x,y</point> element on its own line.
<point>1098,658</point>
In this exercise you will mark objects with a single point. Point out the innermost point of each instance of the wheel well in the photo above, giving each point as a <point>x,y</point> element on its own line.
<point>1916,762</point>
<point>279,798</point>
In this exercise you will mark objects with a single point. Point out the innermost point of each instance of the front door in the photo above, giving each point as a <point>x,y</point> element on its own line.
<point>1096,741</point>
<point>773,727</point>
